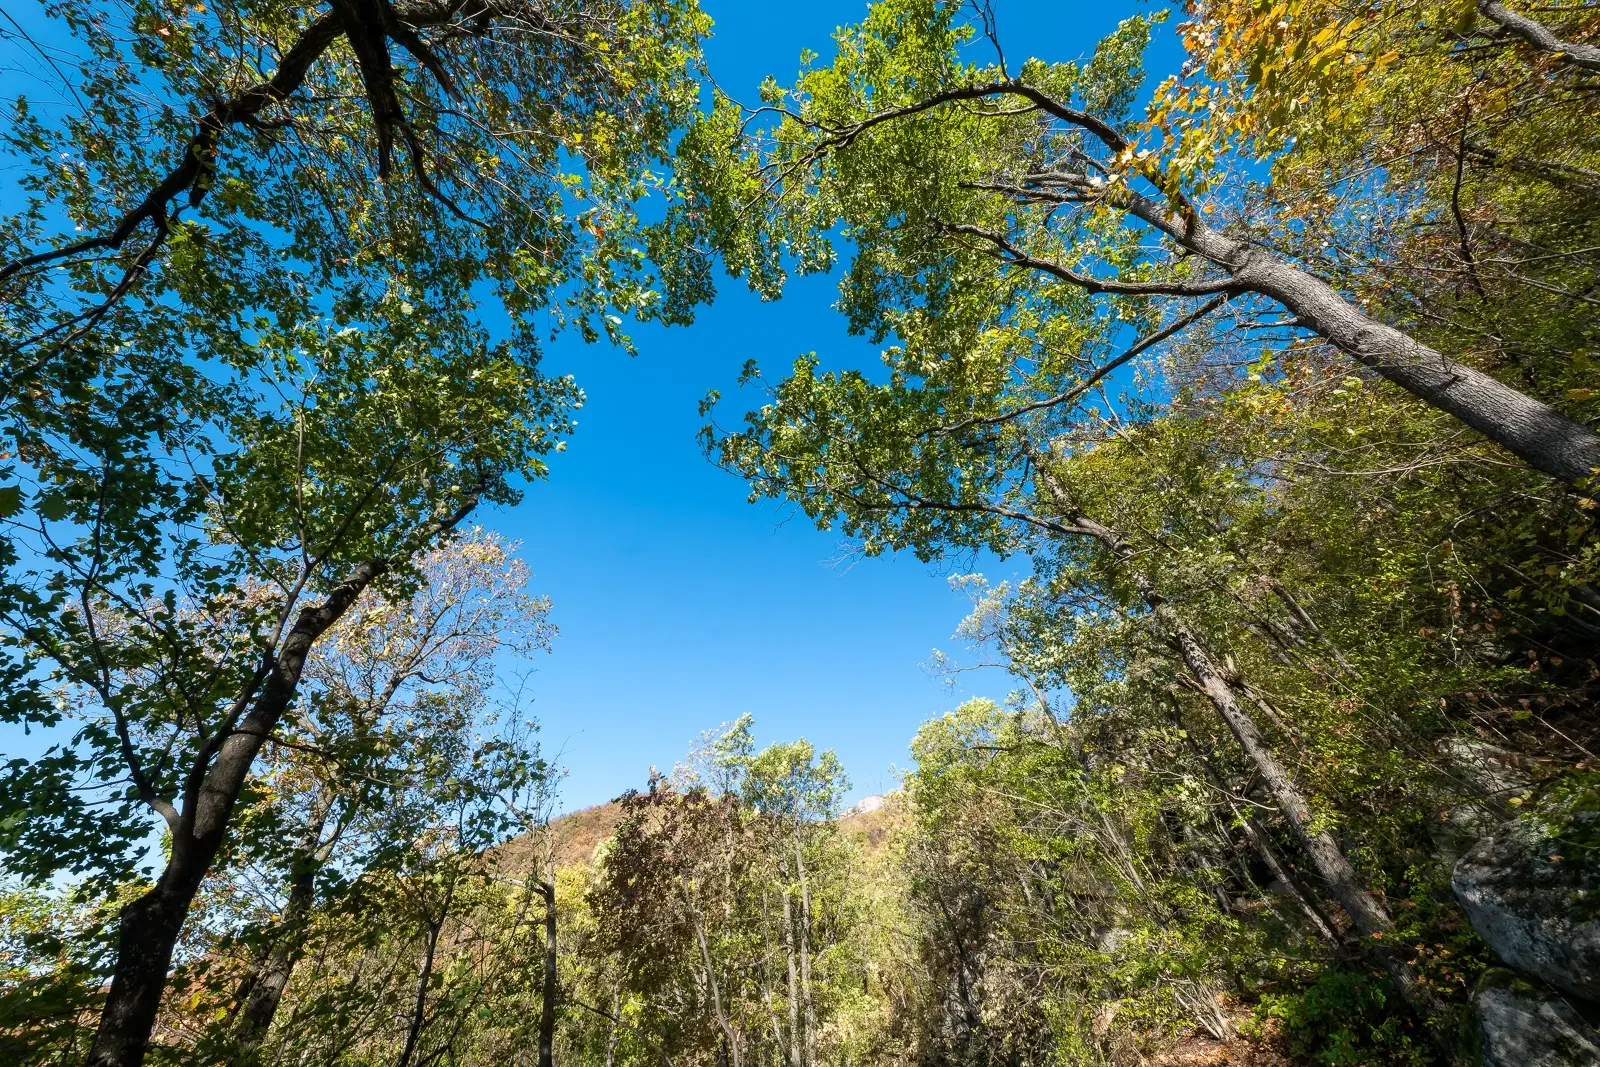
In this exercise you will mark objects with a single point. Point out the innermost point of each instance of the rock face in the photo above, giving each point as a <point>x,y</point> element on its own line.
<point>1481,778</point>
<point>867,804</point>
<point>1521,1027</point>
<point>1537,908</point>
<point>1485,769</point>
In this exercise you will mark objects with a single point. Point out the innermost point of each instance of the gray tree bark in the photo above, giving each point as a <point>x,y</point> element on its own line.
<point>1536,33</point>
<point>796,1037</point>
<point>808,1001</point>
<point>1533,431</point>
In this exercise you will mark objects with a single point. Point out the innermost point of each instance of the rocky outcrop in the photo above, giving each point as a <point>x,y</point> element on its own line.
<point>1484,770</point>
<point>1478,781</point>
<point>1521,1026</point>
<point>1536,906</point>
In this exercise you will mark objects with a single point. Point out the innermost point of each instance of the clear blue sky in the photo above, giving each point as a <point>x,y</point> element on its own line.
<point>680,605</point>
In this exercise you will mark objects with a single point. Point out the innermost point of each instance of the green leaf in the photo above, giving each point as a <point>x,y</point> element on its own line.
<point>53,506</point>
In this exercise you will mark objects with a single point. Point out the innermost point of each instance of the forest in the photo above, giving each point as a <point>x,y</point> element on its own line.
<point>1261,338</point>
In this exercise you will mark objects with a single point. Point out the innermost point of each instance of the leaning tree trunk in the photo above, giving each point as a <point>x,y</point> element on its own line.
<point>1263,848</point>
<point>1585,57</point>
<point>1535,432</point>
<point>149,926</point>
<point>1371,919</point>
<point>1528,428</point>
<point>1325,854</point>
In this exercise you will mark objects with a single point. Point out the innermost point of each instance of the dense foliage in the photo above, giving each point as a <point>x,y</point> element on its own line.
<point>1277,372</point>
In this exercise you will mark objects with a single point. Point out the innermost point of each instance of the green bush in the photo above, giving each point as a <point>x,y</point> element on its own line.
<point>1346,1018</point>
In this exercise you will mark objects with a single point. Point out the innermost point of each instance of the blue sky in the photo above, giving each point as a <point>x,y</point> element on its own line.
<point>680,605</point>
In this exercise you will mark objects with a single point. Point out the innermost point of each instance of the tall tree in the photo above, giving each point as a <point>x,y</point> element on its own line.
<point>986,203</point>
<point>244,353</point>
<point>395,674</point>
<point>712,896</point>
<point>179,640</point>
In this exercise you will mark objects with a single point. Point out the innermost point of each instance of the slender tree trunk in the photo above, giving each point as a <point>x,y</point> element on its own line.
<point>419,1002</point>
<point>547,994</point>
<point>149,926</point>
<point>766,976</point>
<point>808,1002</point>
<point>967,964</point>
<point>723,1022</point>
<point>796,1039</point>
<point>1371,919</point>
<point>1263,848</point>
<point>1303,617</point>
<point>262,990</point>
<point>612,1033</point>
<point>1120,846</point>
<point>1369,915</point>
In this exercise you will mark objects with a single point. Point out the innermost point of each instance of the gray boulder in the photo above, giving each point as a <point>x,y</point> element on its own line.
<point>1485,770</point>
<point>1479,779</point>
<point>1521,1026</point>
<point>1535,905</point>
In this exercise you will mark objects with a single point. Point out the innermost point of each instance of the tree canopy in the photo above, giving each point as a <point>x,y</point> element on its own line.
<point>1274,374</point>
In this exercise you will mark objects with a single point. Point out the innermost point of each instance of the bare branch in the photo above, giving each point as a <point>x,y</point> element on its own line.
<point>1016,257</point>
<point>1142,345</point>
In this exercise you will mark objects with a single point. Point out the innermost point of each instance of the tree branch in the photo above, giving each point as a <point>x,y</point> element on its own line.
<point>1142,345</point>
<point>1536,33</point>
<point>1016,257</point>
<point>368,25</point>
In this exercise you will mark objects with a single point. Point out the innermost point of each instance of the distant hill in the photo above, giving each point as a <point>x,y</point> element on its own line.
<point>874,820</point>
<point>579,833</point>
